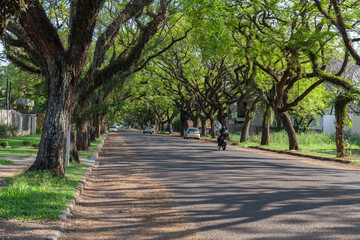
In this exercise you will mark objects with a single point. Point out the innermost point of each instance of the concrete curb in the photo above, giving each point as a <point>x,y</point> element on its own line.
<point>79,189</point>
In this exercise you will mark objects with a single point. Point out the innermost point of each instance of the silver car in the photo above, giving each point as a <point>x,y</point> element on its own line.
<point>149,129</point>
<point>113,128</point>
<point>192,132</point>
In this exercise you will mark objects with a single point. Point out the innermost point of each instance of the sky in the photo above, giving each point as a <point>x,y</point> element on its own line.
<point>2,63</point>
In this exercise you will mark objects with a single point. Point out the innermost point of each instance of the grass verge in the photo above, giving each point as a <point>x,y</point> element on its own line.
<point>16,144</point>
<point>93,146</point>
<point>38,195</point>
<point>312,144</point>
<point>6,161</point>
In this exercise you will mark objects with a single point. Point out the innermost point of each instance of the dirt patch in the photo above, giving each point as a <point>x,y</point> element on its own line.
<point>120,202</point>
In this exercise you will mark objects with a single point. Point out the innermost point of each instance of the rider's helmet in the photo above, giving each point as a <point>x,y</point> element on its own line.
<point>223,127</point>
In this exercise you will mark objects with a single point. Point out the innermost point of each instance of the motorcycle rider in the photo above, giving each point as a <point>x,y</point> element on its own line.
<point>223,133</point>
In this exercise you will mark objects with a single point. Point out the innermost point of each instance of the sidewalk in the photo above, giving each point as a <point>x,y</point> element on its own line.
<point>35,229</point>
<point>117,201</point>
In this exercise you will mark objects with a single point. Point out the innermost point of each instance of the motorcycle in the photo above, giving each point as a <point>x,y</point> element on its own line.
<point>223,142</point>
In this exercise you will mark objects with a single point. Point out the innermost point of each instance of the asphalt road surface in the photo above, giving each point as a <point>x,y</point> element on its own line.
<point>236,194</point>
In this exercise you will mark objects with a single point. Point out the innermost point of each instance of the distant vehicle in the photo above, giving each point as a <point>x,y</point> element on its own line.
<point>223,141</point>
<point>192,132</point>
<point>149,129</point>
<point>113,128</point>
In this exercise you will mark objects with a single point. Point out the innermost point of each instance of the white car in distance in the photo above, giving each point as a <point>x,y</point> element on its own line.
<point>192,132</point>
<point>149,129</point>
<point>113,128</point>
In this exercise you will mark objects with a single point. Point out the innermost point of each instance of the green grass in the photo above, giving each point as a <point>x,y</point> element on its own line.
<point>38,195</point>
<point>317,144</point>
<point>16,143</point>
<point>6,161</point>
<point>17,149</point>
<point>93,145</point>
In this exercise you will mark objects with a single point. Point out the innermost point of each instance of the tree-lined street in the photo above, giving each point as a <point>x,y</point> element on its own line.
<point>237,194</point>
<point>279,74</point>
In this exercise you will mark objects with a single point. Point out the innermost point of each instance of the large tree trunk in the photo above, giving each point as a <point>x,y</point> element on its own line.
<point>170,127</point>
<point>221,116</point>
<point>250,114</point>
<point>340,116</point>
<point>212,123</point>
<point>51,154</point>
<point>286,122</point>
<point>245,130</point>
<point>203,125</point>
<point>82,135</point>
<point>74,156</point>
<point>340,148</point>
<point>97,125</point>
<point>265,127</point>
<point>184,123</point>
<point>92,131</point>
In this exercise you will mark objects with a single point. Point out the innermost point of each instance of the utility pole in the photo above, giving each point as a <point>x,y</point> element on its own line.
<point>7,89</point>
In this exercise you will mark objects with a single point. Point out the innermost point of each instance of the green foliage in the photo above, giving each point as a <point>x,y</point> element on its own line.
<point>39,129</point>
<point>210,32</point>
<point>26,143</point>
<point>36,145</point>
<point>39,195</point>
<point>8,131</point>
<point>4,144</point>
<point>25,85</point>
<point>6,161</point>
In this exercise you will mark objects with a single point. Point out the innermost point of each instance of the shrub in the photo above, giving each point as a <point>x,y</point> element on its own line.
<point>39,129</point>
<point>13,130</point>
<point>4,144</point>
<point>36,145</point>
<point>26,143</point>
<point>8,131</point>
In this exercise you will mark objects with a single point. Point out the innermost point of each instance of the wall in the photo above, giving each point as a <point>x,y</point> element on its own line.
<point>5,117</point>
<point>25,122</point>
<point>329,125</point>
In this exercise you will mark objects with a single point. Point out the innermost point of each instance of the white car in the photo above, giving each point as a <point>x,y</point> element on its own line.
<point>149,129</point>
<point>192,132</point>
<point>113,128</point>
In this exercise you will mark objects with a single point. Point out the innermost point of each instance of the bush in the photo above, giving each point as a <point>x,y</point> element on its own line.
<point>39,129</point>
<point>4,144</point>
<point>26,143</point>
<point>36,145</point>
<point>8,131</point>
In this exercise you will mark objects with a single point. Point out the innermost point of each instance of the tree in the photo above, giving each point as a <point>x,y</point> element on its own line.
<point>281,35</point>
<point>343,16</point>
<point>44,50</point>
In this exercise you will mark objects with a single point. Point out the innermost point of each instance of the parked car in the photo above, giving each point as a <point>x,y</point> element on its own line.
<point>192,132</point>
<point>113,128</point>
<point>149,129</point>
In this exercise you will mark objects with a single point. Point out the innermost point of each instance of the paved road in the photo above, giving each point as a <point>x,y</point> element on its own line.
<point>237,194</point>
